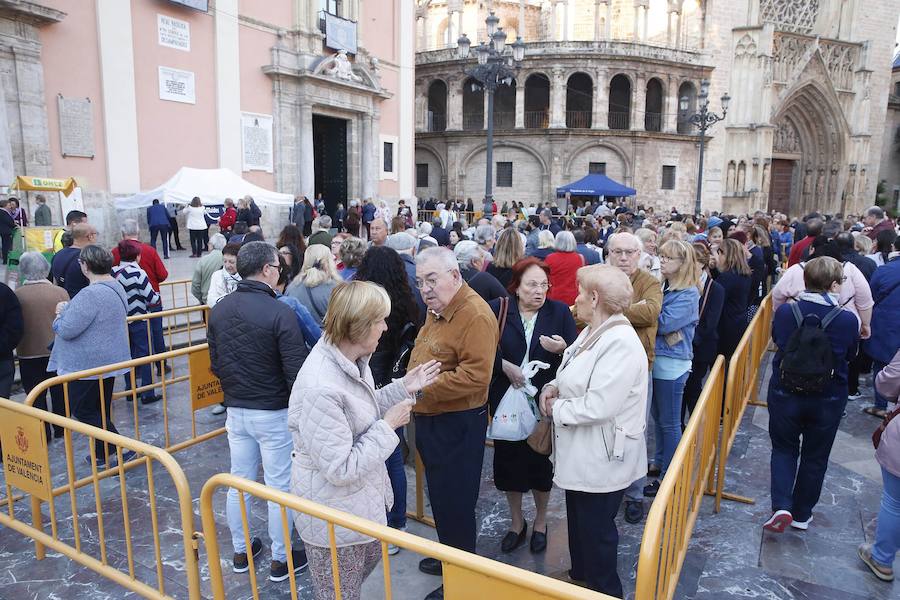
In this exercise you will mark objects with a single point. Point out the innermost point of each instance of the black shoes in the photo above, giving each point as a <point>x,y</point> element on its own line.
<point>634,511</point>
<point>240,563</point>
<point>653,470</point>
<point>651,488</point>
<point>279,570</point>
<point>437,594</point>
<point>432,566</point>
<point>538,541</point>
<point>513,540</point>
<point>151,399</point>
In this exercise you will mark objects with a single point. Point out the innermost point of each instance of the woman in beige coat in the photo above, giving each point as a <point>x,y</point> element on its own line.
<point>598,403</point>
<point>343,431</point>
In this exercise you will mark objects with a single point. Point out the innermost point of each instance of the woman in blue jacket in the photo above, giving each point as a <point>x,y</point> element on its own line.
<point>733,274</point>
<point>706,335</point>
<point>674,348</point>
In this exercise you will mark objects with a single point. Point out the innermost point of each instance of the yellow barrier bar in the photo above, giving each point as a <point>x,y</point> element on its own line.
<point>30,424</point>
<point>182,285</point>
<point>741,389</point>
<point>465,575</point>
<point>676,506</point>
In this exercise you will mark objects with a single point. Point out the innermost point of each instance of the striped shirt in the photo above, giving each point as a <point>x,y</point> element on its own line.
<point>138,291</point>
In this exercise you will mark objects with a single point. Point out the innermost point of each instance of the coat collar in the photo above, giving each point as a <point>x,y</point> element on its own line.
<point>250,285</point>
<point>458,301</point>
<point>356,370</point>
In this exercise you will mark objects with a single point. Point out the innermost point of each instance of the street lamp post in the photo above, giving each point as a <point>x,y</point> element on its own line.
<point>495,66</point>
<point>703,119</point>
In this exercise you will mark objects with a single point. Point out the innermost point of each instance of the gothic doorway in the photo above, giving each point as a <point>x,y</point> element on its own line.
<point>330,160</point>
<point>781,186</point>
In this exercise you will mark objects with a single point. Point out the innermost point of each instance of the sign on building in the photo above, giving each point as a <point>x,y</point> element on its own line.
<point>256,142</point>
<point>26,464</point>
<point>206,389</point>
<point>174,33</point>
<point>76,127</point>
<point>177,85</point>
<point>340,34</point>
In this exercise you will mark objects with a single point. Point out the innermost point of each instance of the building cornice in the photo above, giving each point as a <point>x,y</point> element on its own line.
<point>30,12</point>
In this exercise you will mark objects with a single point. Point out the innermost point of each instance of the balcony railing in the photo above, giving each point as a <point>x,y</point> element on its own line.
<point>537,119</point>
<point>504,120</point>
<point>578,119</point>
<point>619,120</point>
<point>437,122</point>
<point>473,121</point>
<point>653,122</point>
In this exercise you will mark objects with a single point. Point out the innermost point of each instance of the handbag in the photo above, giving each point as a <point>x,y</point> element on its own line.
<point>876,435</point>
<point>541,438</point>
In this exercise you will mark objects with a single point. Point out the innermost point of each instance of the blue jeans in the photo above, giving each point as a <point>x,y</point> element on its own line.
<point>254,436</point>
<point>635,491</point>
<point>157,341</point>
<point>887,534</point>
<point>396,516</point>
<point>140,347</point>
<point>815,420</point>
<point>666,412</point>
<point>880,401</point>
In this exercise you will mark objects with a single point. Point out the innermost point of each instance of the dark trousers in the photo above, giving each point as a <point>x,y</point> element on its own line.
<point>396,516</point>
<point>692,388</point>
<point>594,539</point>
<point>33,371</point>
<point>7,374</point>
<point>84,402</point>
<point>815,420</point>
<point>196,241</point>
<point>452,449</point>
<point>139,345</point>
<point>6,241</point>
<point>157,339</point>
<point>173,231</point>
<point>160,230</point>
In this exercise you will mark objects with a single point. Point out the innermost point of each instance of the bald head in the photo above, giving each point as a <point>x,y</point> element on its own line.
<point>83,234</point>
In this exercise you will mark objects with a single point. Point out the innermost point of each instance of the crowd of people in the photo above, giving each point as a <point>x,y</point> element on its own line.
<point>359,322</point>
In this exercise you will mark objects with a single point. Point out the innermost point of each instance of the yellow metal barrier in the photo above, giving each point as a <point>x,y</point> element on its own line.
<point>742,388</point>
<point>466,576</point>
<point>176,290</point>
<point>677,503</point>
<point>173,325</point>
<point>204,389</point>
<point>27,468</point>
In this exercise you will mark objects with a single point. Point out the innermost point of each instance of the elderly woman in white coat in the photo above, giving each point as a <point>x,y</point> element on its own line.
<point>343,432</point>
<point>598,403</point>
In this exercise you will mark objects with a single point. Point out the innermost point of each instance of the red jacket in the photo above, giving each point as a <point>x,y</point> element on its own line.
<point>151,264</point>
<point>563,267</point>
<point>798,249</point>
<point>881,226</point>
<point>226,221</point>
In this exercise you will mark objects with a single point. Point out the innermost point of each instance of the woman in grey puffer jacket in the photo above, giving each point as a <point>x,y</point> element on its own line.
<point>343,431</point>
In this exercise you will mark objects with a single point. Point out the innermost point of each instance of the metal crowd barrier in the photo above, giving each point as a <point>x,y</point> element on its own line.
<point>670,522</point>
<point>173,325</point>
<point>742,388</point>
<point>168,289</point>
<point>84,529</point>
<point>205,390</point>
<point>465,576</point>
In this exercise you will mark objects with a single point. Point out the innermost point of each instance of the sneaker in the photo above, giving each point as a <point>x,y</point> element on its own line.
<point>392,549</point>
<point>801,525</point>
<point>218,409</point>
<point>279,570</point>
<point>651,488</point>
<point>882,572</point>
<point>778,522</point>
<point>240,563</point>
<point>852,397</point>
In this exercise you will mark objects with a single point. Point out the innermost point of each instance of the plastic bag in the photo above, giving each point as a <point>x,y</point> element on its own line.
<point>516,415</point>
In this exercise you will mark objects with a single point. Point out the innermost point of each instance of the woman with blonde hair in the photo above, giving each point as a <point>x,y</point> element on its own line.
<point>343,431</point>
<point>649,261</point>
<point>508,250</point>
<point>546,245</point>
<point>674,348</point>
<point>732,272</point>
<point>318,276</point>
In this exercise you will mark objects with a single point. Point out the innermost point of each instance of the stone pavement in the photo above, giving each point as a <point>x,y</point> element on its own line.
<point>729,555</point>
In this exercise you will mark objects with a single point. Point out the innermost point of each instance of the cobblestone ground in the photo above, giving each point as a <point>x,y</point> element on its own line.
<point>729,555</point>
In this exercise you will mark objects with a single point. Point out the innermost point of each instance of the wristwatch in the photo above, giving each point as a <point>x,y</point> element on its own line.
<point>419,395</point>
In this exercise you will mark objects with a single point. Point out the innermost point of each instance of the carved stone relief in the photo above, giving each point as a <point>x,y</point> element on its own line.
<point>786,138</point>
<point>790,15</point>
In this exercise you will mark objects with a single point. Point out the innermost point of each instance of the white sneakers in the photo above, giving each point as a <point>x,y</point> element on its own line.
<point>779,521</point>
<point>801,525</point>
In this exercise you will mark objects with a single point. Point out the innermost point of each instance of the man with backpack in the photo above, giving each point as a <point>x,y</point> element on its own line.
<point>807,392</point>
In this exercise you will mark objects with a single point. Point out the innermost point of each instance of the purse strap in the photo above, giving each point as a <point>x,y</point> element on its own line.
<point>501,318</point>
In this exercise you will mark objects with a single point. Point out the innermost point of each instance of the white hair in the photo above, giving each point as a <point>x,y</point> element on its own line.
<point>217,241</point>
<point>484,233</point>
<point>33,266</point>
<point>424,229</point>
<point>444,256</point>
<point>626,238</point>
<point>130,227</point>
<point>565,242</point>
<point>466,251</point>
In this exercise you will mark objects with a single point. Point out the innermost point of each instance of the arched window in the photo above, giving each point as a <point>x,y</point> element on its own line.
<point>537,101</point>
<point>579,101</point>
<point>653,107</point>
<point>505,105</point>
<point>473,105</point>
<point>687,90</point>
<point>620,102</point>
<point>437,106</point>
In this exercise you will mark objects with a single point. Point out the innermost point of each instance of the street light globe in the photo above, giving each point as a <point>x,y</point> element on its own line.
<point>726,100</point>
<point>518,48</point>
<point>684,103</point>
<point>499,38</point>
<point>482,52</point>
<point>492,21</point>
<point>462,47</point>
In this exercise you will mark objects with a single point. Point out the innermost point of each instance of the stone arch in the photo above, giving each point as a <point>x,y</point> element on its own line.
<point>621,90</point>
<point>618,152</point>
<point>437,182</point>
<point>530,173</point>
<point>499,144</point>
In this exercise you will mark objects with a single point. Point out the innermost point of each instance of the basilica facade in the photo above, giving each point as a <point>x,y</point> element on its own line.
<point>603,82</point>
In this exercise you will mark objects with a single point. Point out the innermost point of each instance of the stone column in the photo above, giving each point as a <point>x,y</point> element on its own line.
<point>520,101</point>
<point>646,25</point>
<point>552,36</point>
<point>566,20</point>
<point>597,32</point>
<point>7,167</point>
<point>425,40</point>
<point>367,183</point>
<point>520,30</point>
<point>636,21</point>
<point>639,103</point>
<point>671,106</point>
<point>450,26</point>
<point>678,23</point>
<point>458,32</point>
<point>609,19</point>
<point>454,105</point>
<point>306,168</point>
<point>600,119</point>
<point>557,100</point>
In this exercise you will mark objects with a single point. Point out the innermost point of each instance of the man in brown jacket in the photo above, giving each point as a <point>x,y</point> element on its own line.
<point>461,333</point>
<point>624,253</point>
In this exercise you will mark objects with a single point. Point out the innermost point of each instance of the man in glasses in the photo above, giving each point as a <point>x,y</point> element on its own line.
<point>461,333</point>
<point>624,254</point>
<point>256,349</point>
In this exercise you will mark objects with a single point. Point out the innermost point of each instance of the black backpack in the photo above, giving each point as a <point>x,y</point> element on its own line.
<point>807,364</point>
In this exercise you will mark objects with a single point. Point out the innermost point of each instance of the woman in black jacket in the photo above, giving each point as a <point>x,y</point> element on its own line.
<point>706,334</point>
<point>541,329</point>
<point>734,277</point>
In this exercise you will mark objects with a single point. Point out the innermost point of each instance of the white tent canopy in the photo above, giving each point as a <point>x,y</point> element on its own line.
<point>211,185</point>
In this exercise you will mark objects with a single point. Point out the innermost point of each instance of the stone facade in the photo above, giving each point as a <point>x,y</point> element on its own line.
<point>808,81</point>
<point>889,174</point>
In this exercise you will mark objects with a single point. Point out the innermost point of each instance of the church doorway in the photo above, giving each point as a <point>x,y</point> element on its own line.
<point>330,160</point>
<point>781,185</point>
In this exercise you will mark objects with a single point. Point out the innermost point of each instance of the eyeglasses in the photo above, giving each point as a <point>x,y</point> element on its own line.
<point>275,266</point>
<point>284,252</point>
<point>429,282</point>
<point>623,252</point>
<point>533,285</point>
<point>665,259</point>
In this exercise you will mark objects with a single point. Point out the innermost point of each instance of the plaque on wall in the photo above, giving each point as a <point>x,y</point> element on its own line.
<point>176,85</point>
<point>76,127</point>
<point>256,142</point>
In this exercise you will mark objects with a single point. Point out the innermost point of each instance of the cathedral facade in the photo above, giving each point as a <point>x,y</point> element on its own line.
<point>602,85</point>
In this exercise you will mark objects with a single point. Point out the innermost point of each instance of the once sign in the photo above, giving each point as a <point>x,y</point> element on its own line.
<point>25,460</point>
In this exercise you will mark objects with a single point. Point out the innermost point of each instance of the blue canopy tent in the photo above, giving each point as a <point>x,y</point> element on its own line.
<point>595,185</point>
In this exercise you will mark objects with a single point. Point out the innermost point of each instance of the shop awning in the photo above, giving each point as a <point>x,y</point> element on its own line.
<point>44,184</point>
